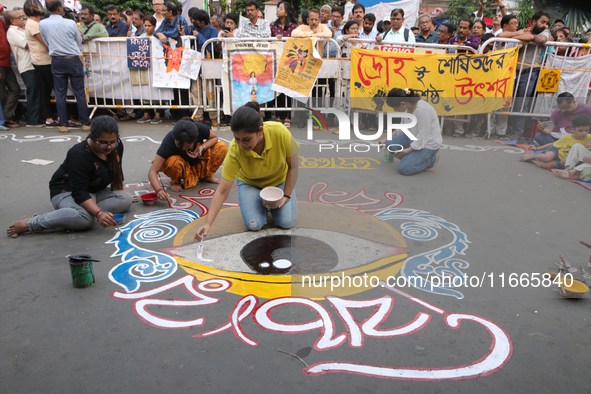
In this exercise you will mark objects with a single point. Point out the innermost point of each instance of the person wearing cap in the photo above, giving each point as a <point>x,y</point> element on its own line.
<point>20,49</point>
<point>386,24</point>
<point>64,39</point>
<point>558,24</point>
<point>7,77</point>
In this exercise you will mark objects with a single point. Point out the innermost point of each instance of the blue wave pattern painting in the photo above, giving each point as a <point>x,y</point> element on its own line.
<point>144,265</point>
<point>422,226</point>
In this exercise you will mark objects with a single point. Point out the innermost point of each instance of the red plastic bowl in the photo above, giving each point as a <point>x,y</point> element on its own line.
<point>150,198</point>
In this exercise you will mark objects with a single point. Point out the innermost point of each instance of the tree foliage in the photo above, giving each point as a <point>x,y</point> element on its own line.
<point>459,9</point>
<point>526,11</point>
<point>145,7</point>
<point>577,15</point>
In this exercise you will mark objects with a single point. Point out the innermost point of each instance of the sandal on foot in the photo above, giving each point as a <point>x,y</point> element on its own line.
<point>287,123</point>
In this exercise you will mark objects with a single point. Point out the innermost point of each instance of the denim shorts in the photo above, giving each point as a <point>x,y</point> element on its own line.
<point>556,159</point>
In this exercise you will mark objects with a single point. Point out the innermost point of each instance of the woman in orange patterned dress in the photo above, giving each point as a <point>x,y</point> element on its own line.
<point>190,153</point>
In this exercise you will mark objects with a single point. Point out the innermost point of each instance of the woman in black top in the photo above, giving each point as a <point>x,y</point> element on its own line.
<point>90,167</point>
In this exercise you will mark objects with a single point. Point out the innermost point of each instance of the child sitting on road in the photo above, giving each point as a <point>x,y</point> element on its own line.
<point>577,165</point>
<point>555,154</point>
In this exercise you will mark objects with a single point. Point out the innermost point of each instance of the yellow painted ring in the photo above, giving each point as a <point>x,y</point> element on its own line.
<point>310,215</point>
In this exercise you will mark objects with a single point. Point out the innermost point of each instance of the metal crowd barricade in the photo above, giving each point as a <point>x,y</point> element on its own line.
<point>535,105</point>
<point>111,84</point>
<point>212,76</point>
<point>372,44</point>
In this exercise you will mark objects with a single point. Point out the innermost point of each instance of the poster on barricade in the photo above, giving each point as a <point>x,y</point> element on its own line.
<point>166,64</point>
<point>455,84</point>
<point>571,80</point>
<point>249,69</point>
<point>298,68</point>
<point>138,52</point>
<point>191,64</point>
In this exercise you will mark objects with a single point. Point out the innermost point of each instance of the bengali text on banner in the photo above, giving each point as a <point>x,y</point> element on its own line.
<point>455,84</point>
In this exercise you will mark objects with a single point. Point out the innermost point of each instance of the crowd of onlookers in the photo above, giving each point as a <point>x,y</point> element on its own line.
<point>47,45</point>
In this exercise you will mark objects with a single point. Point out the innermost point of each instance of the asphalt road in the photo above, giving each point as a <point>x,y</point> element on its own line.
<point>482,213</point>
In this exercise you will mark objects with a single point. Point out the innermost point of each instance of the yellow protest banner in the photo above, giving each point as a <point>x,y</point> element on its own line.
<point>455,84</point>
<point>298,68</point>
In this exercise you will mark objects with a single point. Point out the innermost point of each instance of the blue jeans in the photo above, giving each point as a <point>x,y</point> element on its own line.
<point>417,160</point>
<point>254,213</point>
<point>71,216</point>
<point>33,97</point>
<point>543,139</point>
<point>64,69</point>
<point>523,96</point>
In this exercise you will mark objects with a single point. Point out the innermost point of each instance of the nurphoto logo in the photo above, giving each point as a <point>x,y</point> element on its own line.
<point>394,121</point>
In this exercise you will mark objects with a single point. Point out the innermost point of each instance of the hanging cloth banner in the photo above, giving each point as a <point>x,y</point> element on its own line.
<point>455,84</point>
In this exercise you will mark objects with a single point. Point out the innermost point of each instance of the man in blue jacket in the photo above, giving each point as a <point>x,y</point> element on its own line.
<point>172,25</point>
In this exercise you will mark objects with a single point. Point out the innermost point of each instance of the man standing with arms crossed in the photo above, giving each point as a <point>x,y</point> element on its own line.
<point>63,39</point>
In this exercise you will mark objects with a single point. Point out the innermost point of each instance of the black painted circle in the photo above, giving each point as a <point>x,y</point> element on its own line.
<point>307,255</point>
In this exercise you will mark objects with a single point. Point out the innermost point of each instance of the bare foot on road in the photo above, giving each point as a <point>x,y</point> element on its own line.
<point>210,179</point>
<point>434,165</point>
<point>18,228</point>
<point>527,157</point>
<point>562,174</point>
<point>176,187</point>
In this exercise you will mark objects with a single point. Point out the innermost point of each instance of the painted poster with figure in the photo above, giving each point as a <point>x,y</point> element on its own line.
<point>298,68</point>
<point>249,69</point>
<point>455,84</point>
<point>166,64</point>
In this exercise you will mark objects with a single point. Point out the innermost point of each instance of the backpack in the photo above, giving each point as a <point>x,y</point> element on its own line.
<point>406,33</point>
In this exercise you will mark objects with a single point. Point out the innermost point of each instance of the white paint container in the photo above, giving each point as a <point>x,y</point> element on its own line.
<point>271,196</point>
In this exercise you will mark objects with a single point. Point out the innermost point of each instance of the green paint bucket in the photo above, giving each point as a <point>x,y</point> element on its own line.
<point>81,270</point>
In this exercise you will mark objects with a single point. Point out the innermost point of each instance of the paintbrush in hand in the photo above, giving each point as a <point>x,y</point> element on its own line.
<point>162,185</point>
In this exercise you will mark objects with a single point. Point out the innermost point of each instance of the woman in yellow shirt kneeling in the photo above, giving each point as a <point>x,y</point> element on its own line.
<point>260,155</point>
